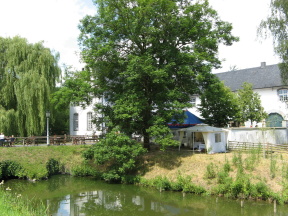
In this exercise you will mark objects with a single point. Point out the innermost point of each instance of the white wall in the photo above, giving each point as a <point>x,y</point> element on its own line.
<point>82,120</point>
<point>259,135</point>
<point>269,100</point>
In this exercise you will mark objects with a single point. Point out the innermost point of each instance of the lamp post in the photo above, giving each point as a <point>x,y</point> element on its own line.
<point>48,116</point>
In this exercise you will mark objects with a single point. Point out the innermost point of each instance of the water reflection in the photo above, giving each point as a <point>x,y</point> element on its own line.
<point>66,195</point>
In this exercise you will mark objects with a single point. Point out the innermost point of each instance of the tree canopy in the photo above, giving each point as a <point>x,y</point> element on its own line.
<point>277,24</point>
<point>146,57</point>
<point>28,74</point>
<point>250,105</point>
<point>219,105</point>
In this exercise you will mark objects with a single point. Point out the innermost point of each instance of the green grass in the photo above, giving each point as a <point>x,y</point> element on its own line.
<point>33,159</point>
<point>14,205</point>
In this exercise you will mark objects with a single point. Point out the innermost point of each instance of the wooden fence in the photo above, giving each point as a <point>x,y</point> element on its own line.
<point>246,146</point>
<point>54,140</point>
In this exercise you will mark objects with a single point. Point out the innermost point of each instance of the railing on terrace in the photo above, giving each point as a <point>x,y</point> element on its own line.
<point>269,147</point>
<point>54,140</point>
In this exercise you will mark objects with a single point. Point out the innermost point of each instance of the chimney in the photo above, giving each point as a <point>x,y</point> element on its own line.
<point>263,65</point>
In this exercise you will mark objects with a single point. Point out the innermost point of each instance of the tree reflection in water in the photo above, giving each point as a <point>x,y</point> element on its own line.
<point>74,196</point>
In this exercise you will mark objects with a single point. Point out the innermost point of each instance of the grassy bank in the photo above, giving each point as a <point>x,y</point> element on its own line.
<point>14,205</point>
<point>33,159</point>
<point>238,175</point>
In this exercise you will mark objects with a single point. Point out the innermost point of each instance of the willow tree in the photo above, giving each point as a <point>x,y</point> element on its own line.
<point>277,24</point>
<point>146,56</point>
<point>28,73</point>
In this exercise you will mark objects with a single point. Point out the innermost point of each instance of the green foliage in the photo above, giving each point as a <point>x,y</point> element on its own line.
<point>85,170</point>
<point>219,105</point>
<point>250,105</point>
<point>273,166</point>
<point>116,155</point>
<point>76,88</point>
<point>53,167</point>
<point>162,183</point>
<point>162,135</point>
<point>210,171</point>
<point>10,169</point>
<point>183,183</point>
<point>12,204</point>
<point>227,167</point>
<point>145,58</point>
<point>252,158</point>
<point>28,75</point>
<point>261,190</point>
<point>276,24</point>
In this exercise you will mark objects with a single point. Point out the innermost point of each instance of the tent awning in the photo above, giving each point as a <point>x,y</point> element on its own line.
<point>202,128</point>
<point>190,120</point>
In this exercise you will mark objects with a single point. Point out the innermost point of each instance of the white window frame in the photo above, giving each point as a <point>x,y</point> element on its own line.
<point>283,94</point>
<point>89,121</point>
<point>75,121</point>
<point>217,137</point>
<point>193,100</point>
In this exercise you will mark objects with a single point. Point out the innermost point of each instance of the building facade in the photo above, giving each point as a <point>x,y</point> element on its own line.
<point>266,81</point>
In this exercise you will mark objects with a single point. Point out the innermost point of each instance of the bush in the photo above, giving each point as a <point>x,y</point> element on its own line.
<point>210,171</point>
<point>181,183</point>
<point>53,167</point>
<point>115,156</point>
<point>85,170</point>
<point>10,169</point>
<point>260,190</point>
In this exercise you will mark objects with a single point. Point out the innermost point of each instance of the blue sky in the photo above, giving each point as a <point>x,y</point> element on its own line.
<point>56,23</point>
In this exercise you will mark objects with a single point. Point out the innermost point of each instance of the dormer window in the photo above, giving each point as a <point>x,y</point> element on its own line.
<point>283,94</point>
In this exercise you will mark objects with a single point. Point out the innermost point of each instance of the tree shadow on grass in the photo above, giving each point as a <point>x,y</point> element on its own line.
<point>168,159</point>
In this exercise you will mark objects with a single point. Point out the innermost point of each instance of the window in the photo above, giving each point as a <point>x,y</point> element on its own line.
<point>75,122</point>
<point>217,137</point>
<point>283,94</point>
<point>193,101</point>
<point>89,121</point>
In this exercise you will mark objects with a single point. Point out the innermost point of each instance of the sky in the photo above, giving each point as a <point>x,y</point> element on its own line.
<point>56,23</point>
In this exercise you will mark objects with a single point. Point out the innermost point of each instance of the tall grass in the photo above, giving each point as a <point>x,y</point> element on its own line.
<point>12,204</point>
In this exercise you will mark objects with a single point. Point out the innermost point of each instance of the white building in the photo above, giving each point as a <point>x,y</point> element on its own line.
<point>266,80</point>
<point>81,120</point>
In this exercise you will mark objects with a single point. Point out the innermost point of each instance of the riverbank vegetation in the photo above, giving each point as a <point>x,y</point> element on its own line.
<point>12,204</point>
<point>244,175</point>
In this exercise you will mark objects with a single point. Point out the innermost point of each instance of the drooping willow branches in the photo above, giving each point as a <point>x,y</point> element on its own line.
<point>28,72</point>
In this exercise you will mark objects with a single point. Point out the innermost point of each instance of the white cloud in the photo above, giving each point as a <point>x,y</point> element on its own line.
<point>53,21</point>
<point>56,23</point>
<point>245,16</point>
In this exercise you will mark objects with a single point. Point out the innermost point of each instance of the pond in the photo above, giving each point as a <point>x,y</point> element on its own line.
<point>66,195</point>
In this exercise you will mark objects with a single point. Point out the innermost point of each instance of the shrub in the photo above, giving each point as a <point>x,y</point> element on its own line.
<point>10,169</point>
<point>53,167</point>
<point>210,171</point>
<point>115,156</point>
<point>260,190</point>
<point>85,170</point>
<point>227,167</point>
<point>273,167</point>
<point>162,183</point>
<point>181,183</point>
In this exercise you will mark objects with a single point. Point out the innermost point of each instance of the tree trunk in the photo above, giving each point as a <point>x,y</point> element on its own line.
<point>146,141</point>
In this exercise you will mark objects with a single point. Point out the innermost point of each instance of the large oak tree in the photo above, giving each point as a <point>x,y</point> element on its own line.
<point>28,73</point>
<point>146,57</point>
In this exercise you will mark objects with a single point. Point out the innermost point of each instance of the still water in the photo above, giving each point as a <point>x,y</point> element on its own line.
<point>66,195</point>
